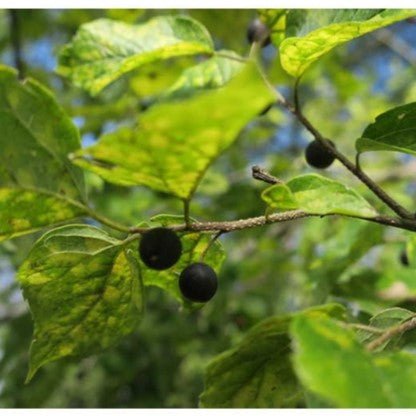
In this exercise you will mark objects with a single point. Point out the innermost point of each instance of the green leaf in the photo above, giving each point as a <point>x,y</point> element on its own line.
<point>258,372</point>
<point>394,130</point>
<point>316,194</point>
<point>383,320</point>
<point>330,362</point>
<point>193,245</point>
<point>104,50</point>
<point>84,292</point>
<point>38,184</point>
<point>212,73</point>
<point>175,142</point>
<point>318,31</point>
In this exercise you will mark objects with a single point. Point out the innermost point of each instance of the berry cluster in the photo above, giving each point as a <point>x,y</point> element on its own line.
<point>160,248</point>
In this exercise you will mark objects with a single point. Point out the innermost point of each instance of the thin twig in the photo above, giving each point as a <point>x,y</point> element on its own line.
<point>390,333</point>
<point>261,175</point>
<point>242,224</point>
<point>366,328</point>
<point>210,244</point>
<point>107,221</point>
<point>383,196</point>
<point>186,214</point>
<point>15,40</point>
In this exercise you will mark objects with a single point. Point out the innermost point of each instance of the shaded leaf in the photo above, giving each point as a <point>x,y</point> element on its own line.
<point>193,245</point>
<point>330,362</point>
<point>316,194</point>
<point>258,372</point>
<point>394,130</point>
<point>104,50</point>
<point>316,32</point>
<point>175,142</point>
<point>83,290</point>
<point>38,184</point>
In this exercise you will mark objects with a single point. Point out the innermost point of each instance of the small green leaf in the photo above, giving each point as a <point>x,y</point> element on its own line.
<point>394,130</point>
<point>316,194</point>
<point>84,293</point>
<point>258,372</point>
<point>104,50</point>
<point>331,363</point>
<point>319,31</point>
<point>383,320</point>
<point>175,142</point>
<point>212,73</point>
<point>38,184</point>
<point>193,245</point>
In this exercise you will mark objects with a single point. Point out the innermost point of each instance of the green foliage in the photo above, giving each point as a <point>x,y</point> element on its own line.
<point>170,151</point>
<point>176,132</point>
<point>38,184</point>
<point>83,288</point>
<point>318,195</point>
<point>346,375</point>
<point>316,33</point>
<point>258,372</point>
<point>394,130</point>
<point>104,50</point>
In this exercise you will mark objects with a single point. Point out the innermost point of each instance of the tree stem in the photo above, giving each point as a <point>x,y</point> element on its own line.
<point>390,333</point>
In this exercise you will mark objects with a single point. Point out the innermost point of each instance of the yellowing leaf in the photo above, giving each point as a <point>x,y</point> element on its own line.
<point>84,292</point>
<point>175,142</point>
<point>104,50</point>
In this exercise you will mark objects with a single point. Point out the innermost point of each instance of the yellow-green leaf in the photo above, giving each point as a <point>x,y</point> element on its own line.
<point>328,29</point>
<point>104,50</point>
<point>38,184</point>
<point>84,292</point>
<point>331,363</point>
<point>316,194</point>
<point>175,142</point>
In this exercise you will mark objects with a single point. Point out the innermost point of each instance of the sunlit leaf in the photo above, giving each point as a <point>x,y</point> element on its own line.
<point>258,372</point>
<point>84,292</point>
<point>316,194</point>
<point>38,184</point>
<point>330,362</point>
<point>315,33</point>
<point>175,142</point>
<point>104,50</point>
<point>394,130</point>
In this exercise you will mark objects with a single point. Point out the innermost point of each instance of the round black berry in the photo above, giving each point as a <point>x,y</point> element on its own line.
<point>198,282</point>
<point>160,248</point>
<point>257,31</point>
<point>317,156</point>
<point>403,258</point>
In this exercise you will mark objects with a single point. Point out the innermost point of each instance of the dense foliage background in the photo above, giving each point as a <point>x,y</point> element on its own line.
<point>267,271</point>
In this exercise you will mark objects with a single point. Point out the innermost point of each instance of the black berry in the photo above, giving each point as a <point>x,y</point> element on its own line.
<point>318,156</point>
<point>258,32</point>
<point>198,282</point>
<point>403,258</point>
<point>160,248</point>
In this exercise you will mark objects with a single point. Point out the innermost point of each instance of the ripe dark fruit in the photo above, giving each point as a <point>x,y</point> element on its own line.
<point>258,32</point>
<point>160,248</point>
<point>317,156</point>
<point>403,258</point>
<point>198,282</point>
